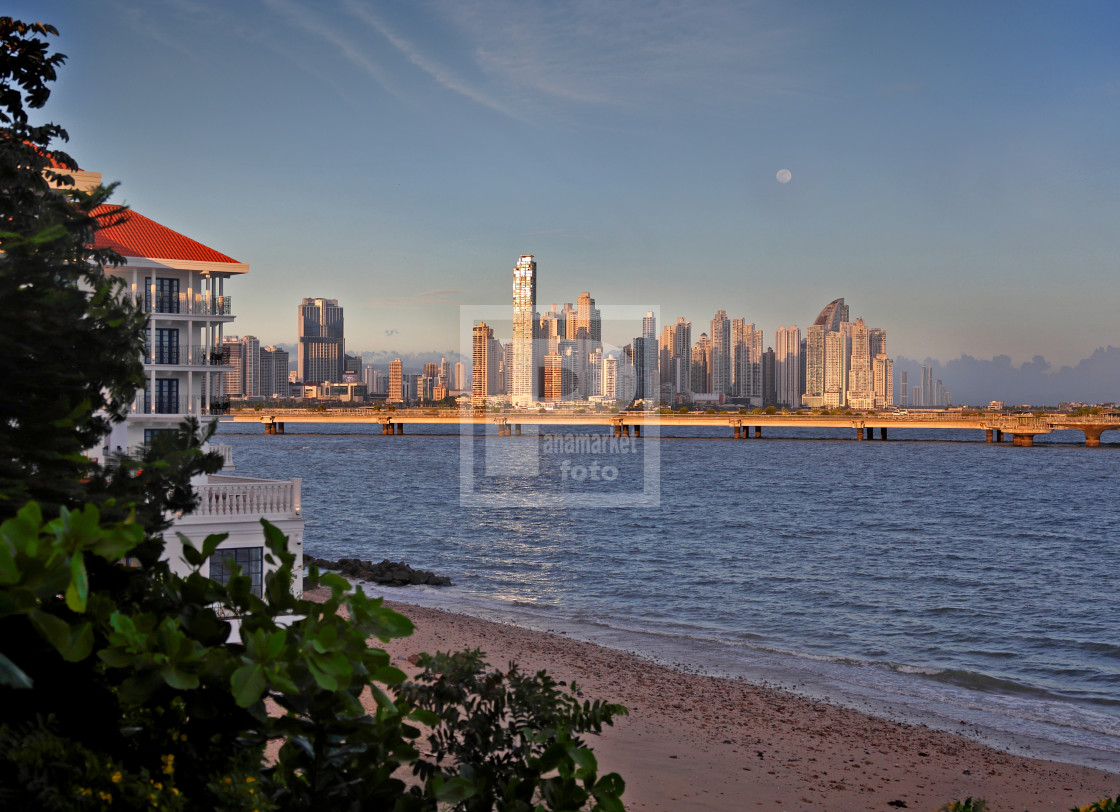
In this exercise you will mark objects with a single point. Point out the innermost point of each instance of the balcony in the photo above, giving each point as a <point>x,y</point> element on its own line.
<point>197,304</point>
<point>247,498</point>
<point>193,355</point>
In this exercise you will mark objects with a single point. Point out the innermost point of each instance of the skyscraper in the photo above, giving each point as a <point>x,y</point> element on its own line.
<point>486,354</point>
<point>460,377</point>
<point>700,351</point>
<point>883,374</point>
<point>814,366</point>
<point>244,354</point>
<point>680,357</point>
<point>233,381</point>
<point>837,351</point>
<point>746,361</point>
<point>524,390</point>
<point>396,383</point>
<point>787,367</point>
<point>833,315</point>
<point>322,347</point>
<point>903,389</point>
<point>769,387</point>
<point>647,381</point>
<point>860,389</point>
<point>928,401</point>
<point>274,372</point>
<point>587,317</point>
<point>719,368</point>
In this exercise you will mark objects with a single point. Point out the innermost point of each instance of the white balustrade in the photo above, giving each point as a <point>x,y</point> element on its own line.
<point>250,498</point>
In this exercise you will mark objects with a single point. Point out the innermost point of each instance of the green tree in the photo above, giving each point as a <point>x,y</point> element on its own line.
<point>69,361</point>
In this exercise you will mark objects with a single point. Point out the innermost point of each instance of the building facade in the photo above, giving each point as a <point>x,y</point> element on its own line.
<point>322,345</point>
<point>524,367</point>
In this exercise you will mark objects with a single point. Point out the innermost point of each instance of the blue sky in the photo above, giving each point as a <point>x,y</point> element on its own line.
<point>955,167</point>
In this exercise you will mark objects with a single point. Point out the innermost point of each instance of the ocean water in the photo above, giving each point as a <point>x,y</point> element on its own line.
<point>932,578</point>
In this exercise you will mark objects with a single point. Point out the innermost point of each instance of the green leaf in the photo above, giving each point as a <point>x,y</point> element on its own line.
<point>74,643</point>
<point>389,675</point>
<point>11,675</point>
<point>455,791</point>
<point>211,543</point>
<point>424,717</point>
<point>248,684</point>
<point>179,679</point>
<point>77,593</point>
<point>325,680</point>
<point>584,759</point>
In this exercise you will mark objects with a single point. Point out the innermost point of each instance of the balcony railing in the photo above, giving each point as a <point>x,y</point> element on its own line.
<point>193,355</point>
<point>230,496</point>
<point>198,304</point>
<point>227,455</point>
<point>218,404</point>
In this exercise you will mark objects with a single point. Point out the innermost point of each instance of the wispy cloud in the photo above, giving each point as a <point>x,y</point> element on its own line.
<point>311,23</point>
<point>142,23</point>
<point>440,73</point>
<point>628,54</point>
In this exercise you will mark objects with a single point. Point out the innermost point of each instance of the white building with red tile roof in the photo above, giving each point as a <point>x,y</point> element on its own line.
<point>181,285</point>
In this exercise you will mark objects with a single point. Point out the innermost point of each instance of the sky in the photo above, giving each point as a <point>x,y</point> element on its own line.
<point>953,166</point>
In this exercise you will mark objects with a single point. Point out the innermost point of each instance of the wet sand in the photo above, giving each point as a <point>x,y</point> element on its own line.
<point>702,743</point>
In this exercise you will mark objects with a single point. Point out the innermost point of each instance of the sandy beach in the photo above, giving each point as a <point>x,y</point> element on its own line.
<point>701,743</point>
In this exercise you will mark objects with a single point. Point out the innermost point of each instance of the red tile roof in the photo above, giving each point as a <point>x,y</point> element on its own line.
<point>139,236</point>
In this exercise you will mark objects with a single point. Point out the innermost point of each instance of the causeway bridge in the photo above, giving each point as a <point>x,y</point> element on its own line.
<point>1022,429</point>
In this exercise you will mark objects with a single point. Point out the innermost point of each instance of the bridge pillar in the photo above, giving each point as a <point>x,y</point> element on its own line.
<point>626,429</point>
<point>617,429</point>
<point>279,428</point>
<point>758,431</point>
<point>859,433</point>
<point>1022,440</point>
<point>269,428</point>
<point>999,435</point>
<point>739,432</point>
<point>883,433</point>
<point>517,429</point>
<point>637,431</point>
<point>1092,436</point>
<point>987,435</point>
<point>400,428</point>
<point>870,433</point>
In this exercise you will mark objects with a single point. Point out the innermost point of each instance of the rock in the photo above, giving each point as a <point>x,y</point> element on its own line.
<point>387,573</point>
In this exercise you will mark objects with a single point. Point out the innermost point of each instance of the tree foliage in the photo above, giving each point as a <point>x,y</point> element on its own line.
<point>119,683</point>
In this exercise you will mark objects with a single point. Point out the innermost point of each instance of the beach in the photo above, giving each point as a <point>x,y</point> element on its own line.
<point>693,742</point>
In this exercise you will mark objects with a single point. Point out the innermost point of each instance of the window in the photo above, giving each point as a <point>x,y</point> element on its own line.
<point>249,559</point>
<point>151,434</point>
<point>167,397</point>
<point>167,345</point>
<point>167,295</point>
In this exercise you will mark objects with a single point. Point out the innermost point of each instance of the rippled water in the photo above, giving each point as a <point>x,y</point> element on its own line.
<point>931,578</point>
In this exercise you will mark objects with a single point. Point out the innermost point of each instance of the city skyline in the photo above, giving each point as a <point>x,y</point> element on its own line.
<point>950,165</point>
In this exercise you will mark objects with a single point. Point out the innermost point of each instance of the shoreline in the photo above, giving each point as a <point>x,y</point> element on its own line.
<point>696,742</point>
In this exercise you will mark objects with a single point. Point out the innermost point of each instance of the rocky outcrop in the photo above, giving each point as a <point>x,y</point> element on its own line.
<point>387,573</point>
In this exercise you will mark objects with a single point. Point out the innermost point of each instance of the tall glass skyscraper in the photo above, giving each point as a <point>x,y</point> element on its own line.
<point>322,346</point>
<point>524,378</point>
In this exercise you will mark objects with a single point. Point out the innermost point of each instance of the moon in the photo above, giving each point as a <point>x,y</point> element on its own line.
<point>784,176</point>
